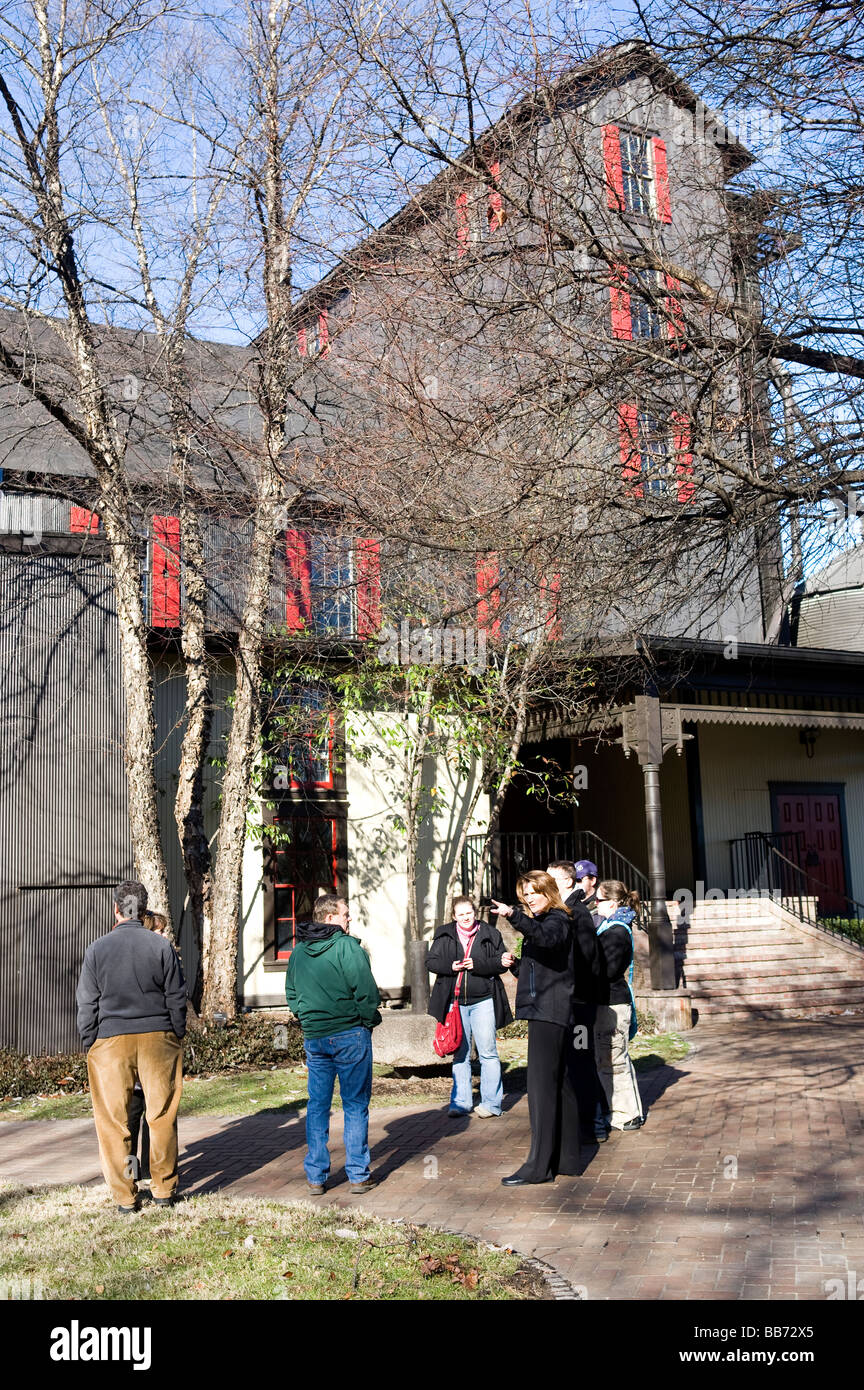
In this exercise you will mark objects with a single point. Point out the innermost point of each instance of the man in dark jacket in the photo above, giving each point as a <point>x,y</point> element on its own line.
<point>591,989</point>
<point>586,884</point>
<point>132,1017</point>
<point>330,987</point>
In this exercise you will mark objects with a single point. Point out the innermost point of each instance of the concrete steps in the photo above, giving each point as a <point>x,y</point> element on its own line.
<point>752,958</point>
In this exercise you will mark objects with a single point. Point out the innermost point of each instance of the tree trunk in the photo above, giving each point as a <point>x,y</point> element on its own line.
<point>188,804</point>
<point>415,757</point>
<point>140,724</point>
<point>221,933</point>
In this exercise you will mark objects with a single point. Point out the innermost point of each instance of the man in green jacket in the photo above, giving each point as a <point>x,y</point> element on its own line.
<point>329,986</point>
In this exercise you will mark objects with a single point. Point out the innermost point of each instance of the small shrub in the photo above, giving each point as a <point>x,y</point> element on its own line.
<point>850,927</point>
<point>38,1076</point>
<point>647,1022</point>
<point>245,1042</point>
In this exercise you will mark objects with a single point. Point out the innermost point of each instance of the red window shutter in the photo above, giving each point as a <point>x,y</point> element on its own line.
<point>683,456</point>
<point>301,342</point>
<point>165,590</point>
<point>368,586</point>
<point>496,207</point>
<point>675,321</point>
<point>488,595</point>
<point>298,581</point>
<point>462,224</point>
<point>628,435</point>
<point>82,520</point>
<point>550,591</point>
<point>661,181</point>
<point>323,334</point>
<point>612,161</point>
<point>622,322</point>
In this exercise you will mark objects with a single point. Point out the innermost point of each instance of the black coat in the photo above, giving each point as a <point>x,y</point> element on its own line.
<point>545,988</point>
<point>616,946</point>
<point>590,985</point>
<point>483,982</point>
<point>560,964</point>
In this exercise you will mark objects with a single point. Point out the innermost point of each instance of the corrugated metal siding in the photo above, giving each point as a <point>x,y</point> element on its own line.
<point>834,621</point>
<point>33,514</point>
<point>737,764</point>
<point>63,807</point>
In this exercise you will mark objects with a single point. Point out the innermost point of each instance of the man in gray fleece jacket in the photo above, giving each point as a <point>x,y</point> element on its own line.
<point>132,1017</point>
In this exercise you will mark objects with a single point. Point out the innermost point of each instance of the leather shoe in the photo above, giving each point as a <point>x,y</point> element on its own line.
<point>516,1180</point>
<point>633,1124</point>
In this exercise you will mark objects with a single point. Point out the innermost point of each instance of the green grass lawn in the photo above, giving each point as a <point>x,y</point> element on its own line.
<point>284,1090</point>
<point>656,1049</point>
<point>70,1243</point>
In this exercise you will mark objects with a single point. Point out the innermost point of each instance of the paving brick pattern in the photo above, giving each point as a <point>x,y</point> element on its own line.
<point>747,1181</point>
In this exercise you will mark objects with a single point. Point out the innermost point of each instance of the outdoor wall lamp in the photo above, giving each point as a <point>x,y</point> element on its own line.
<point>808,737</point>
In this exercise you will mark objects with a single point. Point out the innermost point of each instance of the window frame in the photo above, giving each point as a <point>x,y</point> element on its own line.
<point>276,957</point>
<point>658,209</point>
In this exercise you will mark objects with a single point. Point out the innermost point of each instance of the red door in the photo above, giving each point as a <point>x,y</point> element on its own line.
<point>815,817</point>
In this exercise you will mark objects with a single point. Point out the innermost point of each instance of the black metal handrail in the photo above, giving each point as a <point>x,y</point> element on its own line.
<point>758,866</point>
<point>514,852</point>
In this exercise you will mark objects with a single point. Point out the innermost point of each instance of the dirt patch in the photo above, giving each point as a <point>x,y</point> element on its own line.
<point>528,1282</point>
<point>397,1086</point>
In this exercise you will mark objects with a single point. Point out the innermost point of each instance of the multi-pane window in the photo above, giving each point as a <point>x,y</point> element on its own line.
<point>330,584</point>
<point>654,451</point>
<point>646,319</point>
<point>479,211</point>
<point>319,597</point>
<point>313,336</point>
<point>303,865</point>
<point>644,304</point>
<point>636,172</point>
<point>302,726</point>
<point>656,454</point>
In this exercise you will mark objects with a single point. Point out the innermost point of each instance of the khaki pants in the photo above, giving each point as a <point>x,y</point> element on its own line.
<point>614,1066</point>
<point>113,1066</point>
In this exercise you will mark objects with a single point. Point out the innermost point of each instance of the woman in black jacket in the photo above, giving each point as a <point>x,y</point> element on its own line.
<point>473,952</point>
<point>554,935</point>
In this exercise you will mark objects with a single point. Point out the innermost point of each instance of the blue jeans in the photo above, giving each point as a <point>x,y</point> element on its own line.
<point>349,1056</point>
<point>478,1021</point>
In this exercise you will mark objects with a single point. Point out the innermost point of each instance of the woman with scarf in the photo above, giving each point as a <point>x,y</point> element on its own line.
<point>472,953</point>
<point>616,1021</point>
<point>560,948</point>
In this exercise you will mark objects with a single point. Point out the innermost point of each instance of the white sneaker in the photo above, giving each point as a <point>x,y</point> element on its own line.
<point>485,1113</point>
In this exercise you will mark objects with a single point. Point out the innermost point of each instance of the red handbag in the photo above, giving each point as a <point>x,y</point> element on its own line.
<point>448,1035</point>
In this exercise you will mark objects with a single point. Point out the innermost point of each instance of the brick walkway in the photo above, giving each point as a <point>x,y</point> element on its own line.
<point>747,1182</point>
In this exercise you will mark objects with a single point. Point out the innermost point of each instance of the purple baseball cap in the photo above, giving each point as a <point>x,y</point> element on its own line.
<point>585,869</point>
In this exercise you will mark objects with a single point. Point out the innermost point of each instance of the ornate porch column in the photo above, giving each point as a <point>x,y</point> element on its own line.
<point>649,732</point>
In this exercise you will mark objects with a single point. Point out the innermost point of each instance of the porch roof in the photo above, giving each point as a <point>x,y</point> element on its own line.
<point>605,721</point>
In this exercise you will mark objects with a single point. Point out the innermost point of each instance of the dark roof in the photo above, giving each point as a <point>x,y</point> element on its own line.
<point>228,423</point>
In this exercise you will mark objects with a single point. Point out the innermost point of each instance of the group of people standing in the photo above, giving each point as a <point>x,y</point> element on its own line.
<point>574,991</point>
